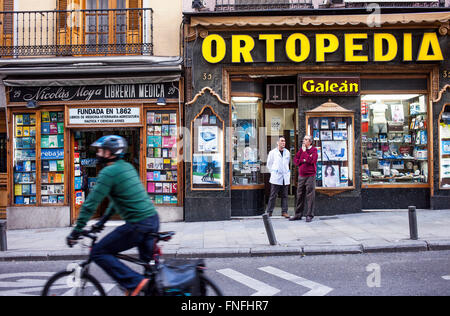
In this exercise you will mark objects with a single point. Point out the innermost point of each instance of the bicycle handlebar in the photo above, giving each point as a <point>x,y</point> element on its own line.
<point>164,236</point>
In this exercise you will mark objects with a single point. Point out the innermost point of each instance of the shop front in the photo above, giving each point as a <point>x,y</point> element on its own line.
<point>366,96</point>
<point>51,167</point>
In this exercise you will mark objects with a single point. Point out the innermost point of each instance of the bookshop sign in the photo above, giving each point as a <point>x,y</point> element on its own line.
<point>143,91</point>
<point>105,115</point>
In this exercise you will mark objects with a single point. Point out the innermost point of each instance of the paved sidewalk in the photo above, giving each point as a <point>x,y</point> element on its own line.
<point>367,232</point>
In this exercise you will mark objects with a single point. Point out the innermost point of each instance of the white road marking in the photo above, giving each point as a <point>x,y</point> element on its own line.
<point>317,289</point>
<point>262,289</point>
<point>446,277</point>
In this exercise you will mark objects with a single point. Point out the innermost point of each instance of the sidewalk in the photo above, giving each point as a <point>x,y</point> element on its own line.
<point>367,232</point>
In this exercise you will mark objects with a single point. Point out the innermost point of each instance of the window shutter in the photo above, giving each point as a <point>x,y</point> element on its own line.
<point>8,23</point>
<point>134,20</point>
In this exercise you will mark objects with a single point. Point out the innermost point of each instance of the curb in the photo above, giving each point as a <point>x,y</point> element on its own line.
<point>261,251</point>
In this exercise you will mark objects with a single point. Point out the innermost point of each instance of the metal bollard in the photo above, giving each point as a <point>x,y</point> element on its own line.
<point>413,232</point>
<point>3,243</point>
<point>269,230</point>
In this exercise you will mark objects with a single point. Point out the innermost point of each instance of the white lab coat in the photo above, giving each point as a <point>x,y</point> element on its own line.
<point>279,167</point>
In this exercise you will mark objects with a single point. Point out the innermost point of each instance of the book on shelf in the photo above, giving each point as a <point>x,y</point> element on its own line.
<point>151,187</point>
<point>173,199</point>
<point>27,166</point>
<point>150,117</point>
<point>53,166</point>
<point>60,116</point>
<point>60,199</point>
<point>159,199</point>
<point>33,189</point>
<point>166,199</point>
<point>53,128</point>
<point>157,130</point>
<point>19,131</point>
<point>26,200</point>
<point>157,118</point>
<point>52,199</point>
<point>156,175</point>
<point>26,131</point>
<point>60,128</point>
<point>26,189</point>
<point>26,119</point>
<point>77,183</point>
<point>158,187</point>
<point>32,119</point>
<point>53,116</point>
<point>52,141</point>
<point>167,188</point>
<point>45,117</point>
<point>174,188</point>
<point>19,200</point>
<point>19,119</point>
<point>60,165</point>
<point>59,177</point>
<point>167,164</point>
<point>173,118</point>
<point>17,189</point>
<point>165,118</point>
<point>165,130</point>
<point>60,140</point>
<point>32,131</point>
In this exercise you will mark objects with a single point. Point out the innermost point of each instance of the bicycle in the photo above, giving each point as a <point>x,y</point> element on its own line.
<point>81,283</point>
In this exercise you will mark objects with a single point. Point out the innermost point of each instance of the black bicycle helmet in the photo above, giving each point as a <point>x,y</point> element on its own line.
<point>117,145</point>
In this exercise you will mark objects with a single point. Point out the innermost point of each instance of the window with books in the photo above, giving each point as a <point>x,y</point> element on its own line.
<point>24,158</point>
<point>394,139</point>
<point>161,159</point>
<point>52,157</point>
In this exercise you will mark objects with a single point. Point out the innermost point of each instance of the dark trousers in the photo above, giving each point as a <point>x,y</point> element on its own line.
<point>306,195</point>
<point>123,238</point>
<point>274,189</point>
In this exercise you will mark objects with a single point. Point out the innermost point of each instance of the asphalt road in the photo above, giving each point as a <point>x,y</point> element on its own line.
<point>409,274</point>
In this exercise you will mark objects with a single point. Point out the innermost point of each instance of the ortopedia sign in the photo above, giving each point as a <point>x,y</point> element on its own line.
<point>300,47</point>
<point>104,116</point>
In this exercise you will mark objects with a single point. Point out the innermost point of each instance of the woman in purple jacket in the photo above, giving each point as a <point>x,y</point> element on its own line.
<point>306,160</point>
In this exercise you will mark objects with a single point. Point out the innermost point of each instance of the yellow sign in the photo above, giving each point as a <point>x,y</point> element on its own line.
<point>298,47</point>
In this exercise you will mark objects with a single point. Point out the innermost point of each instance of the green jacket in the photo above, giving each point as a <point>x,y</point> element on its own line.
<point>119,182</point>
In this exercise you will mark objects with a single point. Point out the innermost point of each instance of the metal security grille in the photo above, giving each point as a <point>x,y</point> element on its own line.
<point>280,93</point>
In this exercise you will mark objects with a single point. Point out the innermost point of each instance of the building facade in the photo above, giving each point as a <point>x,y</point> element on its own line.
<point>368,83</point>
<point>72,71</point>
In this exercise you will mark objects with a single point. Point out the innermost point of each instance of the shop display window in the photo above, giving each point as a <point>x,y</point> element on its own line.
<point>24,159</point>
<point>162,160</point>
<point>52,157</point>
<point>444,138</point>
<point>394,139</point>
<point>207,172</point>
<point>246,122</point>
<point>333,136</point>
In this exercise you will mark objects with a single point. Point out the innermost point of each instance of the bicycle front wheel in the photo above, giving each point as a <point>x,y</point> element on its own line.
<point>209,288</point>
<point>65,283</point>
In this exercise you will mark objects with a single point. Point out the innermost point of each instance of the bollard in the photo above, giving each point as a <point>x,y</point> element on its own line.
<point>3,243</point>
<point>269,230</point>
<point>414,235</point>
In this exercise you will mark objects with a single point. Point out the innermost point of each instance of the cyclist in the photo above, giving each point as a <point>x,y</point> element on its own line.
<point>120,182</point>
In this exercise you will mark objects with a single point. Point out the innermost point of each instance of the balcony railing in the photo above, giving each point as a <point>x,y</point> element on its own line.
<point>255,5</point>
<point>76,32</point>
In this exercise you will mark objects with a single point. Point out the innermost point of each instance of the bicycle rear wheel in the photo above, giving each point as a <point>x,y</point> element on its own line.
<point>209,288</point>
<point>64,284</point>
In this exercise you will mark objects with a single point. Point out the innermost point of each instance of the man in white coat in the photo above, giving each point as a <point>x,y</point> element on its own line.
<point>278,163</point>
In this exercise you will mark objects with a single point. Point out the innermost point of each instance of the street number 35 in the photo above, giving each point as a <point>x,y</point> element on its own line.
<point>446,74</point>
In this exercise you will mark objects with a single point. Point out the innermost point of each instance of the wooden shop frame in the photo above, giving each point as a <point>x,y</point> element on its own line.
<point>12,111</point>
<point>180,174</point>
<point>440,146</point>
<point>333,110</point>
